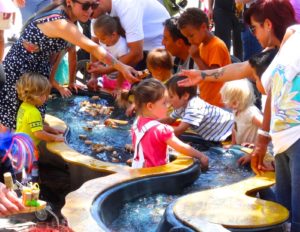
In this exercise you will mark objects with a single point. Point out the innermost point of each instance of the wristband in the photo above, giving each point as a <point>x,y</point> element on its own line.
<point>264,133</point>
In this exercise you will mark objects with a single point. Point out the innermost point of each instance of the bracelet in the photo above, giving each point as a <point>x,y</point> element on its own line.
<point>263,133</point>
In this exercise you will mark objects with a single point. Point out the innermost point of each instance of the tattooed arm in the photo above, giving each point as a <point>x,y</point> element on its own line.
<point>229,72</point>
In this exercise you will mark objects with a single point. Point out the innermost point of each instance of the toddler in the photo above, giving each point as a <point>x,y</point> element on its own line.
<point>239,97</point>
<point>150,137</point>
<point>159,63</point>
<point>33,89</point>
<point>210,122</point>
<point>111,35</point>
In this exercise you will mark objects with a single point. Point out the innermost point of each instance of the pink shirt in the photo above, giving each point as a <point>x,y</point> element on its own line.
<point>154,142</point>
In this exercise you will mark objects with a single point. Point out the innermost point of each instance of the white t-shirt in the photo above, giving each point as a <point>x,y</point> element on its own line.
<point>141,20</point>
<point>119,49</point>
<point>210,122</point>
<point>245,130</point>
<point>282,77</point>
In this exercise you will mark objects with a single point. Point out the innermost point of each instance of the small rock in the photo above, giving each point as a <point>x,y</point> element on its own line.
<point>83,137</point>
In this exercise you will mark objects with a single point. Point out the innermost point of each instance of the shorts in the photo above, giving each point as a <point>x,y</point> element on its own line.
<point>6,20</point>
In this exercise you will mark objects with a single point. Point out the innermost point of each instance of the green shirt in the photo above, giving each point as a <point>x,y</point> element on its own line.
<point>29,120</point>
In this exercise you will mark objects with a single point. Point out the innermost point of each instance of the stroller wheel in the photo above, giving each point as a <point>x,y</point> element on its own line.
<point>41,215</point>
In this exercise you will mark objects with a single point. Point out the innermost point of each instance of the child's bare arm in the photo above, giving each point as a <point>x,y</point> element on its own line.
<point>52,130</point>
<point>181,128</point>
<point>188,150</point>
<point>45,136</point>
<point>257,120</point>
<point>167,120</point>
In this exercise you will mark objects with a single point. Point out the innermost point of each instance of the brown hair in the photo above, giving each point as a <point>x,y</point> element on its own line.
<point>159,58</point>
<point>148,90</point>
<point>31,86</point>
<point>192,17</point>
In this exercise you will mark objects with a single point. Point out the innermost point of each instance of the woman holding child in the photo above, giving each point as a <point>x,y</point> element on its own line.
<point>50,32</point>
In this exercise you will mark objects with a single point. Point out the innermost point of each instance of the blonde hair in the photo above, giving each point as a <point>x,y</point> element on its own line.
<point>31,86</point>
<point>240,91</point>
<point>159,58</point>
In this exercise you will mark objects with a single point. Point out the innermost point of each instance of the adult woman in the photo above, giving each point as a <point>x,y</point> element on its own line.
<point>268,20</point>
<point>48,33</point>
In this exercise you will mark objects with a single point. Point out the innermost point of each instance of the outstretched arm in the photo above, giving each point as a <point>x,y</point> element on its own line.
<point>188,150</point>
<point>229,72</point>
<point>69,32</point>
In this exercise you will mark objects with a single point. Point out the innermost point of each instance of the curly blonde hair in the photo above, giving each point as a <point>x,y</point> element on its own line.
<point>240,91</point>
<point>31,86</point>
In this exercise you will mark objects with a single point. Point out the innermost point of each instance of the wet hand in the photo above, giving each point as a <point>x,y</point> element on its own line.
<point>64,92</point>
<point>75,87</point>
<point>245,159</point>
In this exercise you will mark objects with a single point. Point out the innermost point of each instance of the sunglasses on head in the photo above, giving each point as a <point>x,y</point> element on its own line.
<point>86,5</point>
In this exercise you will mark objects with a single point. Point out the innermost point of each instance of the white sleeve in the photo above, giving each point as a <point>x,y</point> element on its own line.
<point>132,21</point>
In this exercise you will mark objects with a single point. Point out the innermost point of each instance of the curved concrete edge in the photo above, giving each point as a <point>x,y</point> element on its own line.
<point>78,203</point>
<point>231,207</point>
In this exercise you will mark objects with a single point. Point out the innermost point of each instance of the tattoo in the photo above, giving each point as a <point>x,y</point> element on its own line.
<point>215,74</point>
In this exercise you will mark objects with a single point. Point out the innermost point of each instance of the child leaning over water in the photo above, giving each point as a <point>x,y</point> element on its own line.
<point>239,97</point>
<point>150,137</point>
<point>111,35</point>
<point>210,122</point>
<point>33,89</point>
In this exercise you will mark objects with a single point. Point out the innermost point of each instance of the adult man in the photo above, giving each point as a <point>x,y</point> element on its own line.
<point>177,45</point>
<point>143,25</point>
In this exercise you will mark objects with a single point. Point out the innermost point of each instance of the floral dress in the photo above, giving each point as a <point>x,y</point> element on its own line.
<point>31,53</point>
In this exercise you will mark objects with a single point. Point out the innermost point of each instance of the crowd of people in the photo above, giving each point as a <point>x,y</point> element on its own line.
<point>193,77</point>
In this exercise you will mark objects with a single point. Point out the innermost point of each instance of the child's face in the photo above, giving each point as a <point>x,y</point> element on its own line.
<point>159,109</point>
<point>195,35</point>
<point>41,100</point>
<point>176,101</point>
<point>108,40</point>
<point>234,105</point>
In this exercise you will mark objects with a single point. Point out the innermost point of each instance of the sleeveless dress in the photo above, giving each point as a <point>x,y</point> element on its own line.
<point>31,53</point>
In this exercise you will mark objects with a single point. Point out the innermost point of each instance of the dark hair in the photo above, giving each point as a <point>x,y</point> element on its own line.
<point>261,61</point>
<point>171,25</point>
<point>148,90</point>
<point>193,17</point>
<point>109,25</point>
<point>2,76</point>
<point>179,90</point>
<point>280,12</point>
<point>159,58</point>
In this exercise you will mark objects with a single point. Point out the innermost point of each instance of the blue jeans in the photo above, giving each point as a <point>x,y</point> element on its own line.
<point>31,7</point>
<point>287,166</point>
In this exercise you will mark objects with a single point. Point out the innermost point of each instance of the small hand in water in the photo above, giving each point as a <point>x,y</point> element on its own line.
<point>64,92</point>
<point>75,87</point>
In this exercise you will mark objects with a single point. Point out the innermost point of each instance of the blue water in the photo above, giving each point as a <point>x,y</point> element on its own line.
<point>68,109</point>
<point>142,214</point>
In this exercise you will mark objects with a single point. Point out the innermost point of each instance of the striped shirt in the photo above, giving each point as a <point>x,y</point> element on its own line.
<point>210,122</point>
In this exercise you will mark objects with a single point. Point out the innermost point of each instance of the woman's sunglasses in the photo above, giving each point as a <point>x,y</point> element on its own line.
<point>85,6</point>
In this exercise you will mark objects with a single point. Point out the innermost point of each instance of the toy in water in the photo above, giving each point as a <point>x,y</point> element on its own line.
<point>94,109</point>
<point>114,123</point>
<point>19,149</point>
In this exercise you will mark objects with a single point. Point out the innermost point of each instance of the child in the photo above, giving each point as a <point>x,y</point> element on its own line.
<point>210,122</point>
<point>111,35</point>
<point>33,89</point>
<point>150,137</point>
<point>207,50</point>
<point>239,97</point>
<point>159,63</point>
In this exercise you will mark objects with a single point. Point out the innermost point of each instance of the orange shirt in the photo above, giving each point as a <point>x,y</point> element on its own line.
<point>213,53</point>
